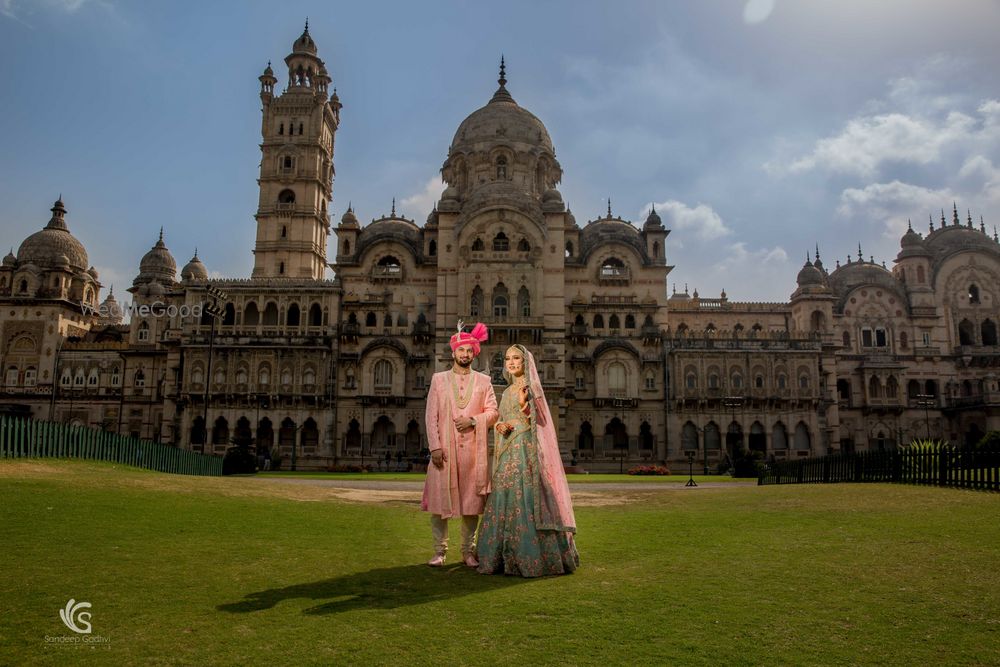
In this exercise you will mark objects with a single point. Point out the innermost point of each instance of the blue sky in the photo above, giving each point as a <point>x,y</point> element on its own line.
<point>759,128</point>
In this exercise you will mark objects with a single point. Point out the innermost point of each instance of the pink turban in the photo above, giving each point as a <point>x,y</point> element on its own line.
<point>478,336</point>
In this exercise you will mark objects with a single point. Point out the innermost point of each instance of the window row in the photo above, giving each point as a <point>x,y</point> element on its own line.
<point>252,316</point>
<point>219,375</point>
<point>500,244</point>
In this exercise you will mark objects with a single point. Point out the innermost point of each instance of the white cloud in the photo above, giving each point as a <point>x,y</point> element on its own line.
<point>420,204</point>
<point>757,11</point>
<point>705,222</point>
<point>893,204</point>
<point>869,142</point>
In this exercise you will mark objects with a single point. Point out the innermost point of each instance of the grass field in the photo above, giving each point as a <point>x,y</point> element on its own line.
<point>573,479</point>
<point>184,571</point>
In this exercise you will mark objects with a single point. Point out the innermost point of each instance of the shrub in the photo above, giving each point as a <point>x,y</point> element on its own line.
<point>342,467</point>
<point>649,470</point>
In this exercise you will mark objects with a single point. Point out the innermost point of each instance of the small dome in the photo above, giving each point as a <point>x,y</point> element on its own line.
<point>113,310</point>
<point>432,218</point>
<point>9,259</point>
<point>552,195</point>
<point>349,219</point>
<point>93,272</point>
<point>305,43</point>
<point>53,246</point>
<point>809,275</point>
<point>194,270</point>
<point>268,71</point>
<point>157,265</point>
<point>653,219</point>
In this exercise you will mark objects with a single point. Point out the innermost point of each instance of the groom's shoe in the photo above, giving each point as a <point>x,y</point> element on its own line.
<point>437,561</point>
<point>470,560</point>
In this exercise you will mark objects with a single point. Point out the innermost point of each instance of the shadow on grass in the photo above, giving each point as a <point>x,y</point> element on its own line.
<point>386,588</point>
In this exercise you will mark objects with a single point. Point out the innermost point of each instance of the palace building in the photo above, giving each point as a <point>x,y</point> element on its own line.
<point>330,361</point>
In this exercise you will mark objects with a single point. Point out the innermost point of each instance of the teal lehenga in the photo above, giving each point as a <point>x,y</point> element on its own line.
<point>528,525</point>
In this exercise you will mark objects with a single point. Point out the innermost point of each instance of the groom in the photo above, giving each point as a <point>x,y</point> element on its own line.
<point>461,409</point>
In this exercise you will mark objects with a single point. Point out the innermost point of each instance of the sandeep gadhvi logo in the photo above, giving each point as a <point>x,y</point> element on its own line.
<point>71,613</point>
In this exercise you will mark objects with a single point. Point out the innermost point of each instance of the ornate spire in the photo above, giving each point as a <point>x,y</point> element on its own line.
<point>982,225</point>
<point>954,214</point>
<point>609,208</point>
<point>306,31</point>
<point>161,234</point>
<point>944,223</point>
<point>860,256</point>
<point>968,219</point>
<point>393,214</point>
<point>929,217</point>
<point>909,225</point>
<point>995,239</point>
<point>503,73</point>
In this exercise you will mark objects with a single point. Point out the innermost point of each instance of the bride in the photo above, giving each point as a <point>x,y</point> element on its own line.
<point>528,525</point>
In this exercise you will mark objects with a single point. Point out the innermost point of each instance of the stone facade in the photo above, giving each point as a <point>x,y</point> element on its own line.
<point>336,370</point>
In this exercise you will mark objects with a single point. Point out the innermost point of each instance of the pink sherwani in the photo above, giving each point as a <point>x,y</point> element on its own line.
<point>460,487</point>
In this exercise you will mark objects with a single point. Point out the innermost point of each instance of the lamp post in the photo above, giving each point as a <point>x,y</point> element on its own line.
<point>214,311</point>
<point>925,401</point>
<point>690,455</point>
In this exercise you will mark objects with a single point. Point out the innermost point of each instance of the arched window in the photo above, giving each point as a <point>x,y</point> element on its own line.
<point>389,266</point>
<point>501,168</point>
<point>286,197</point>
<point>220,375</point>
<point>779,437</point>
<point>251,316</point>
<point>316,315</point>
<point>116,377</point>
<point>242,375</point>
<point>804,382</point>
<point>630,321</point>
<point>24,286</point>
<point>912,389</point>
<point>30,376</point>
<point>501,300</point>
<point>650,380</point>
<point>689,436</point>
<point>92,378</point>
<point>737,381</point>
<point>524,302</point>
<point>713,381</point>
<point>220,432</point>
<point>891,387</point>
<point>371,320</point>
<point>12,377</point>
<point>585,439</point>
<point>387,320</point>
<point>67,377</point>
<point>140,378</point>
<point>782,381</point>
<point>476,302</point>
<point>501,243</point>
<point>713,440</point>
<point>229,315</point>
<point>614,322</point>
<point>478,245</point>
<point>271,314</point>
<point>383,374</point>
<point>292,317</point>
<point>973,294</point>
<point>308,377</point>
<point>989,332</point>
<point>598,321</point>
<point>616,378</point>
<point>758,381</point>
<point>523,246</point>
<point>347,247</point>
<point>432,248</point>
<point>286,376</point>
<point>569,248</point>
<point>612,268</point>
<point>874,388</point>
<point>143,332</point>
<point>801,441</point>
<point>581,382</point>
<point>264,376</point>
<point>966,333</point>
<point>691,381</point>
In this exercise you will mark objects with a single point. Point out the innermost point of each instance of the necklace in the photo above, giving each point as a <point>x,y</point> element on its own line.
<point>462,401</point>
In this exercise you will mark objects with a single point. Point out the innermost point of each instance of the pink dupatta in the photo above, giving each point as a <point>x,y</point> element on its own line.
<point>553,506</point>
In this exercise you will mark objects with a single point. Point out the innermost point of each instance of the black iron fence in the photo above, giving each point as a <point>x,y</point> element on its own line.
<point>976,467</point>
<point>25,438</point>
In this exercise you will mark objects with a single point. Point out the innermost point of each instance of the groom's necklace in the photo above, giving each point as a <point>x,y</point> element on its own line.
<point>462,401</point>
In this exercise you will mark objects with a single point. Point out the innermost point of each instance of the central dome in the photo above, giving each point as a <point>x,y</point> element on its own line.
<point>53,246</point>
<point>501,121</point>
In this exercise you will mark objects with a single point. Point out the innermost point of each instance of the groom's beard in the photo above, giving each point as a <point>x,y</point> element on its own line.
<point>464,363</point>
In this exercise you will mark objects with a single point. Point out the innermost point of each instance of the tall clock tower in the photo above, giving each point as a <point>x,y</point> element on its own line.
<point>296,168</point>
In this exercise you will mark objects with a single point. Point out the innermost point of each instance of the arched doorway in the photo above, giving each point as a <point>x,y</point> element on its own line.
<point>265,434</point>
<point>353,438</point>
<point>197,433</point>
<point>734,440</point>
<point>616,435</point>
<point>412,442</point>
<point>286,435</point>
<point>646,439</point>
<point>585,439</point>
<point>758,438</point>
<point>310,436</point>
<point>973,435</point>
<point>243,435</point>
<point>383,434</point>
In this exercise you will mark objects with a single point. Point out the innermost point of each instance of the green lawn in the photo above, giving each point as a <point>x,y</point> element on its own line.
<point>573,479</point>
<point>183,570</point>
